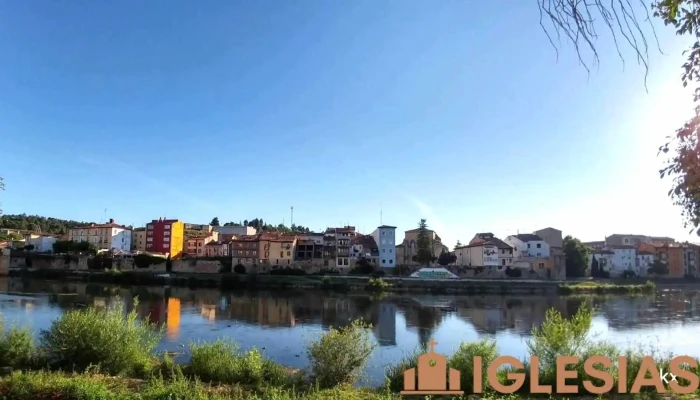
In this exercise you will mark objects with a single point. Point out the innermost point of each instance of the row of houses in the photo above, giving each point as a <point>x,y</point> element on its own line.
<point>623,253</point>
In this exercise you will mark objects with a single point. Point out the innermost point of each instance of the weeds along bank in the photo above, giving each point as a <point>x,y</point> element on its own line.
<point>233,281</point>
<point>107,354</point>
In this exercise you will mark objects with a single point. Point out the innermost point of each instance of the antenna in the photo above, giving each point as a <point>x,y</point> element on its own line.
<point>381,212</point>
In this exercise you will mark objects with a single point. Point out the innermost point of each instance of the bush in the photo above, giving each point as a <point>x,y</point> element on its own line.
<point>340,355</point>
<point>239,269</point>
<point>394,373</point>
<point>628,274</point>
<point>104,338</point>
<point>463,361</point>
<point>57,386</point>
<point>377,285</point>
<point>514,272</point>
<point>16,346</point>
<point>220,362</point>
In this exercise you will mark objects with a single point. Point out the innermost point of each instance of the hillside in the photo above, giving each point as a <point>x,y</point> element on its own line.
<point>38,224</point>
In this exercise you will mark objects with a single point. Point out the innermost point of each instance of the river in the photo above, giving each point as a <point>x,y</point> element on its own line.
<point>280,324</point>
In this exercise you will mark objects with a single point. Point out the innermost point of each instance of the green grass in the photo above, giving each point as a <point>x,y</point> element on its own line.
<point>593,287</point>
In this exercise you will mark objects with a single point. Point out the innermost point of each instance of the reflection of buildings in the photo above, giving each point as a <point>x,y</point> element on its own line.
<point>209,312</point>
<point>173,318</point>
<point>268,311</point>
<point>385,328</point>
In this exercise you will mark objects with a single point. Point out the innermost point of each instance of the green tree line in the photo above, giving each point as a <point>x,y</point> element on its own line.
<point>39,224</point>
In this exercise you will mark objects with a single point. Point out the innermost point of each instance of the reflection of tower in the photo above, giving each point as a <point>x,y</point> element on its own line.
<point>173,318</point>
<point>386,325</point>
<point>432,375</point>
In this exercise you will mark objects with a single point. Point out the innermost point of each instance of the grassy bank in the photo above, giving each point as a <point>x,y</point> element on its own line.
<point>606,288</point>
<point>109,354</point>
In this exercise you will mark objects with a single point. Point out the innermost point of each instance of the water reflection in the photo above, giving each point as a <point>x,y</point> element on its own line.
<point>282,323</point>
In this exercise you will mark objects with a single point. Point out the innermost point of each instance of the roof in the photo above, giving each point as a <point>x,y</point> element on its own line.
<point>91,226</point>
<point>645,253</point>
<point>249,238</point>
<point>489,237</point>
<point>139,229</point>
<point>528,237</point>
<point>622,247</point>
<point>603,252</point>
<point>549,227</point>
<point>218,243</point>
<point>386,226</point>
<point>478,244</point>
<point>367,241</point>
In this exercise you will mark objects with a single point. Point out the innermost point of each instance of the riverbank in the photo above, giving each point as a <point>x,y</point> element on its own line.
<point>114,358</point>
<point>338,283</point>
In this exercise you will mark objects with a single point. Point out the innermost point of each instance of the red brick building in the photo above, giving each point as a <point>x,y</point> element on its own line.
<point>165,236</point>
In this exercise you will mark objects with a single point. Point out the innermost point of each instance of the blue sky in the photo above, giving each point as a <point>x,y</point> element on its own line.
<point>426,109</point>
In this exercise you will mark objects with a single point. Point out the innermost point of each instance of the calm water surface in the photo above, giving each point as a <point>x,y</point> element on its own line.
<point>280,324</point>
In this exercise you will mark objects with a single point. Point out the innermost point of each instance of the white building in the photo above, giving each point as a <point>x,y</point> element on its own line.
<point>528,245</point>
<point>385,237</point>
<point>624,259</point>
<point>41,243</point>
<point>603,257</point>
<point>108,236</point>
<point>235,230</point>
<point>645,259</point>
<point>505,251</point>
<point>481,254</point>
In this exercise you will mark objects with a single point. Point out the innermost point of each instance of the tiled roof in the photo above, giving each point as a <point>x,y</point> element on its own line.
<point>528,237</point>
<point>494,240</point>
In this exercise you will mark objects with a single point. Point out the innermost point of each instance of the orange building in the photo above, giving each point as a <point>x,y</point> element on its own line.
<point>673,257</point>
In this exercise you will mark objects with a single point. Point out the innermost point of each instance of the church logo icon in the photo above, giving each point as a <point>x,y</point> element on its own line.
<point>432,375</point>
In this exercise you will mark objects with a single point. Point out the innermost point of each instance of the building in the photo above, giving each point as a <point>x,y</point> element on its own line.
<point>409,247</point>
<point>138,240</point>
<point>479,254</point>
<point>364,247</point>
<point>624,259</point>
<point>336,246</point>
<point>196,246</point>
<point>505,251</point>
<point>385,239</point>
<point>109,236</point>
<point>528,245</point>
<point>42,243</point>
<point>198,227</point>
<point>217,249</point>
<point>554,238</point>
<point>645,259</point>
<point>691,258</point>
<point>635,240</point>
<point>673,257</point>
<point>595,245</point>
<point>165,236</point>
<point>228,232</point>
<point>244,251</point>
<point>310,248</point>
<point>280,248</point>
<point>604,258</point>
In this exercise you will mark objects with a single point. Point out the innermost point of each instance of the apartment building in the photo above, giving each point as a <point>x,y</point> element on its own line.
<point>528,245</point>
<point>165,236</point>
<point>138,239</point>
<point>505,251</point>
<point>245,250</point>
<point>227,233</point>
<point>109,236</point>
<point>280,248</point>
<point>673,257</point>
<point>196,246</point>
<point>310,248</point>
<point>217,249</point>
<point>364,247</point>
<point>336,246</point>
<point>478,254</point>
<point>385,240</point>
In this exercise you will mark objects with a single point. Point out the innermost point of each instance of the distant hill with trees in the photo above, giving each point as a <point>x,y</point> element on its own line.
<point>39,224</point>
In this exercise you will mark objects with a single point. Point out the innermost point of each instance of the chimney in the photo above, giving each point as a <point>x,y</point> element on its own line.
<point>111,221</point>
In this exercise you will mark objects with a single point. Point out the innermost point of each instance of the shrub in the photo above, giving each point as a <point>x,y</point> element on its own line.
<point>220,362</point>
<point>105,338</point>
<point>394,373</point>
<point>340,355</point>
<point>463,361</point>
<point>16,346</point>
<point>239,269</point>
<point>513,272</point>
<point>288,271</point>
<point>58,386</point>
<point>628,274</point>
<point>377,285</point>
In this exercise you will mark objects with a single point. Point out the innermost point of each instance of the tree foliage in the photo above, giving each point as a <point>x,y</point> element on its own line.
<point>576,257</point>
<point>595,268</point>
<point>459,244</point>
<point>446,258</point>
<point>39,224</point>
<point>424,244</point>
<point>658,268</point>
<point>577,21</point>
<point>69,246</point>
<point>214,221</point>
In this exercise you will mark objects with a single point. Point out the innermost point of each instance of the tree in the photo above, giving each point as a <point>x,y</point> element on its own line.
<point>595,269</point>
<point>577,21</point>
<point>576,257</point>
<point>446,258</point>
<point>29,247</point>
<point>658,268</point>
<point>459,244</point>
<point>424,253</point>
<point>214,222</point>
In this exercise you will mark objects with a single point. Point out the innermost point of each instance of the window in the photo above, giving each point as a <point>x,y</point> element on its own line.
<point>391,261</point>
<point>281,254</point>
<point>539,245</point>
<point>391,250</point>
<point>503,261</point>
<point>541,265</point>
<point>383,261</point>
<point>149,226</point>
<point>383,232</point>
<point>167,239</point>
<point>325,263</point>
<point>528,245</point>
<point>289,253</point>
<point>539,254</point>
<point>166,233</point>
<point>255,252</point>
<point>247,253</point>
<point>383,250</point>
<point>166,245</point>
<point>166,227</point>
<point>150,239</point>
